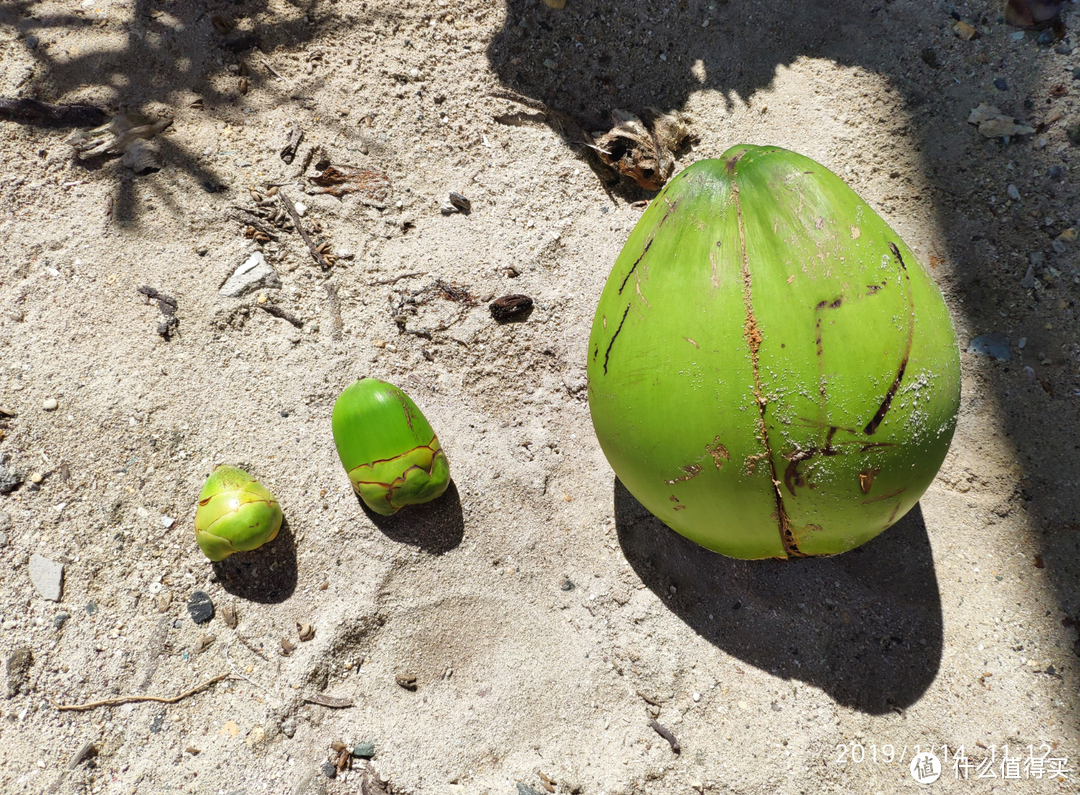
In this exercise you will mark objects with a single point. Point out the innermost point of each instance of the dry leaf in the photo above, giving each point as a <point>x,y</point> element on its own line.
<point>287,647</point>
<point>204,643</point>
<point>305,631</point>
<point>373,185</point>
<point>992,123</point>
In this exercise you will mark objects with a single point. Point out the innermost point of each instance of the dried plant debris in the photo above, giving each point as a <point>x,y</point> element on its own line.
<point>330,702</point>
<point>992,123</point>
<point>276,311</point>
<point>373,186</point>
<point>129,135</point>
<point>1033,14</point>
<point>228,615</point>
<point>406,680</point>
<point>31,111</point>
<point>643,150</point>
<point>305,631</point>
<point>406,306</point>
<point>511,307</point>
<point>167,304</point>
<point>296,135</point>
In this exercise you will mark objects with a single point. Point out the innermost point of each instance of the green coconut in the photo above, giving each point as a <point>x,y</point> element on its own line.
<point>772,373</point>
<point>235,513</point>
<point>387,447</point>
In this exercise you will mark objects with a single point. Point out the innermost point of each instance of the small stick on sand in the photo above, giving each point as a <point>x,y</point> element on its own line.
<point>112,702</point>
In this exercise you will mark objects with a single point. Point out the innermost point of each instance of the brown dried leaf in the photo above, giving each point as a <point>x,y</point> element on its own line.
<point>204,643</point>
<point>287,647</point>
<point>373,185</point>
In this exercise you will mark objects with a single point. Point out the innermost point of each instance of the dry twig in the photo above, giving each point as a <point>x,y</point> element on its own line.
<point>315,253</point>
<point>112,702</point>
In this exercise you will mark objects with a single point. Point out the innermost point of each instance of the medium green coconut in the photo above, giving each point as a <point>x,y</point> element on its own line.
<point>386,445</point>
<point>771,371</point>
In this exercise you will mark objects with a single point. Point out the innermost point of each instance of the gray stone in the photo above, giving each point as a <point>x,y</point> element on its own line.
<point>364,750</point>
<point>17,670</point>
<point>313,783</point>
<point>47,577</point>
<point>60,619</point>
<point>254,274</point>
<point>5,521</point>
<point>995,345</point>
<point>288,727</point>
<point>9,478</point>
<point>200,607</point>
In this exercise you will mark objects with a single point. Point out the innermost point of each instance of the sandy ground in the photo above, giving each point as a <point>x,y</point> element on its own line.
<point>546,616</point>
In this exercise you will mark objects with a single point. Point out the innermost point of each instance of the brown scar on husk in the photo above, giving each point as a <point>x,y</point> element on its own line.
<point>719,453</point>
<point>607,353</point>
<point>875,422</point>
<point>691,470</point>
<point>691,342</point>
<point>866,478</point>
<point>890,495</point>
<point>752,334</point>
<point>712,262</point>
<point>642,297</point>
<point>679,507</point>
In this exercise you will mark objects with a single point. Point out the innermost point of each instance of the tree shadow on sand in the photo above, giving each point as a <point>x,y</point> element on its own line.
<point>865,627</point>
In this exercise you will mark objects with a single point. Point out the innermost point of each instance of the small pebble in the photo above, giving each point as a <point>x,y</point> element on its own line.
<point>5,521</point>
<point>47,577</point>
<point>164,599</point>
<point>329,770</point>
<point>60,619</point>
<point>364,750</point>
<point>1014,193</point>
<point>1056,172</point>
<point>1022,343</point>
<point>1046,38</point>
<point>157,722</point>
<point>567,586</point>
<point>167,522</point>
<point>1076,73</point>
<point>200,607</point>
<point>1063,49</point>
<point>447,208</point>
<point>996,346</point>
<point>288,727</point>
<point>301,209</point>
<point>1000,84</point>
<point>36,478</point>
<point>202,251</point>
<point>50,404</point>
<point>91,608</point>
<point>32,41</point>
<point>1017,35</point>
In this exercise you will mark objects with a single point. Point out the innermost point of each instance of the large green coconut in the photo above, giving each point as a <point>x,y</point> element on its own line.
<point>771,371</point>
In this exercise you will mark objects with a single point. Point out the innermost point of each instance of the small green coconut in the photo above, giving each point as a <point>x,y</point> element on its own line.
<point>387,447</point>
<point>771,371</point>
<point>236,513</point>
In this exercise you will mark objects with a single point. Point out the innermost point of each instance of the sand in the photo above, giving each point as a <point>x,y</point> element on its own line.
<point>546,617</point>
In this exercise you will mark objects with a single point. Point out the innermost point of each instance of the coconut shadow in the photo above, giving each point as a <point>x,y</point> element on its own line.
<point>866,626</point>
<point>436,527</point>
<point>266,575</point>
